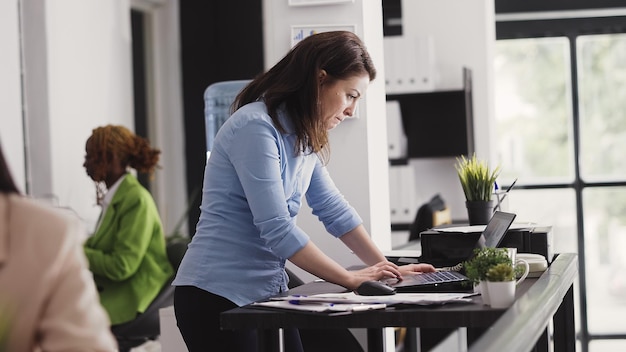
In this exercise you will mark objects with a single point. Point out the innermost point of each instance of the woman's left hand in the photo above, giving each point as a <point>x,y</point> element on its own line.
<point>416,268</point>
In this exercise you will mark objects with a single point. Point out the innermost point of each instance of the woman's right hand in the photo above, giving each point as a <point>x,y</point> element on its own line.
<point>378,271</point>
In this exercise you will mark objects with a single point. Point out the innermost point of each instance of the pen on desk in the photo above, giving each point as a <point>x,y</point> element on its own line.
<point>364,307</point>
<point>299,302</point>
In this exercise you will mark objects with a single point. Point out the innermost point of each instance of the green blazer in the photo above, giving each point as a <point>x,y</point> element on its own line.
<point>127,253</point>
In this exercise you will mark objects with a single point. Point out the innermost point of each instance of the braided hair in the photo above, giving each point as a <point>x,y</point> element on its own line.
<point>130,149</point>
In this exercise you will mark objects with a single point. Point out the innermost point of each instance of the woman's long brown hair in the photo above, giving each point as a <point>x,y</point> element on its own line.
<point>7,185</point>
<point>294,81</point>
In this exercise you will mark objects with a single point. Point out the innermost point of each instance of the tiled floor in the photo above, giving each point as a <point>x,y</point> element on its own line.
<point>150,346</point>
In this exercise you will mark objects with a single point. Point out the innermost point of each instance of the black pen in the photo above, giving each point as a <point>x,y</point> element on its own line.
<point>507,190</point>
<point>504,195</point>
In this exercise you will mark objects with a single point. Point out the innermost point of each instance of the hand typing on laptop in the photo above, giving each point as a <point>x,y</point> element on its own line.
<point>411,269</point>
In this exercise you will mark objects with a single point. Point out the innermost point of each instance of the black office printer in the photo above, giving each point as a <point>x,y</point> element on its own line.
<point>443,249</point>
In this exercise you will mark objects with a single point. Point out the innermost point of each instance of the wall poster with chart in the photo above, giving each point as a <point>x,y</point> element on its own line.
<point>299,32</point>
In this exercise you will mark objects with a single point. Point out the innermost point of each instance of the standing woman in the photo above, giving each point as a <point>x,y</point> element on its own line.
<point>48,301</point>
<point>127,251</point>
<point>268,155</point>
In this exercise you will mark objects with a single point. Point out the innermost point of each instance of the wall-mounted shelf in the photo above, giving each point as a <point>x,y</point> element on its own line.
<point>438,123</point>
<point>398,161</point>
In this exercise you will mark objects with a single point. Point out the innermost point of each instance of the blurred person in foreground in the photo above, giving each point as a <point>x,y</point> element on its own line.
<point>48,301</point>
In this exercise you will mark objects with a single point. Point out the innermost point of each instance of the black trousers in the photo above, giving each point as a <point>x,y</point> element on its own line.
<point>198,318</point>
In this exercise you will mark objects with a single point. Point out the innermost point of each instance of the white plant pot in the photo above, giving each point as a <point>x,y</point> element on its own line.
<point>501,293</point>
<point>484,292</point>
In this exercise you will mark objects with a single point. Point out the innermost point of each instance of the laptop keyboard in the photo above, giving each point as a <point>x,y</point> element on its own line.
<point>440,276</point>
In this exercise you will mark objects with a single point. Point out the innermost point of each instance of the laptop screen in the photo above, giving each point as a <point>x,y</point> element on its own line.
<point>496,229</point>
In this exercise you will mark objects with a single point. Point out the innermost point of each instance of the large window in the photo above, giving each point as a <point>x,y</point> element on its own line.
<point>602,105</point>
<point>533,110</point>
<point>534,132</point>
<point>560,88</point>
<point>602,97</point>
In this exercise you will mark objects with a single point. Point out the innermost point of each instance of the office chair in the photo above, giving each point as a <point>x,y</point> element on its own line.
<point>294,280</point>
<point>146,326</point>
<point>433,213</point>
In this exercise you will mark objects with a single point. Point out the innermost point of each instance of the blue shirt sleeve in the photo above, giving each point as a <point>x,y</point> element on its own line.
<point>329,205</point>
<point>258,166</point>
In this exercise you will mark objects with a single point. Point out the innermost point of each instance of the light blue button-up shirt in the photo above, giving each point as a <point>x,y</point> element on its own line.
<point>252,192</point>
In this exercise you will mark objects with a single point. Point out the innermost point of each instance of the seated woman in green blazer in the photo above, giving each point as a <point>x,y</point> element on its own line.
<point>127,253</point>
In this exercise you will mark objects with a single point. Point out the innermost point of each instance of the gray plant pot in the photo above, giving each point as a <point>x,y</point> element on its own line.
<point>480,212</point>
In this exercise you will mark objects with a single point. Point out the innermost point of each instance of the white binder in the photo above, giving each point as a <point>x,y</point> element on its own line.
<point>396,139</point>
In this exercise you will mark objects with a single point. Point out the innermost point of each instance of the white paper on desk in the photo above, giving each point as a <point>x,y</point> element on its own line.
<point>398,298</point>
<point>320,307</point>
<point>481,228</point>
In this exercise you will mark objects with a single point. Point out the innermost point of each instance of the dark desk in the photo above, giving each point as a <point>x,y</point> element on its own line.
<point>549,297</point>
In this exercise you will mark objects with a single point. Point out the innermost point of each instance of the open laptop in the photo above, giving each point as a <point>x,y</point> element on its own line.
<point>452,280</point>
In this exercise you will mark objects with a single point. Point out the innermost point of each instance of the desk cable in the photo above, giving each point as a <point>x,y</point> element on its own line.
<point>457,267</point>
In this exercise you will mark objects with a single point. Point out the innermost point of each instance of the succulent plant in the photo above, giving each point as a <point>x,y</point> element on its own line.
<point>477,179</point>
<point>501,272</point>
<point>484,259</point>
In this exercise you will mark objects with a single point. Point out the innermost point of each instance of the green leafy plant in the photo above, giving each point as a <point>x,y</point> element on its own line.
<point>484,259</point>
<point>501,272</point>
<point>477,179</point>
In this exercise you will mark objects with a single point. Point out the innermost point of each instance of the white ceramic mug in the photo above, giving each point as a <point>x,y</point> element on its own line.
<point>512,252</point>
<point>526,270</point>
<point>502,293</point>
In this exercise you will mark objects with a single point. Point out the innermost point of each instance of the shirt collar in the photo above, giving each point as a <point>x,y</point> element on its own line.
<point>111,192</point>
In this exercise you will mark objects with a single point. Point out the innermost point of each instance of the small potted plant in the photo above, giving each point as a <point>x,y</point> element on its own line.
<point>501,272</point>
<point>501,285</point>
<point>477,267</point>
<point>478,183</point>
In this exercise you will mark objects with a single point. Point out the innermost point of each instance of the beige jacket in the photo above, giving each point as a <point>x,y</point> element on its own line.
<point>48,300</point>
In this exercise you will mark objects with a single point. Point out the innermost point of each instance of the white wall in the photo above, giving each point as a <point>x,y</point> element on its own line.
<point>78,76</point>
<point>358,162</point>
<point>90,84</point>
<point>11,132</point>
